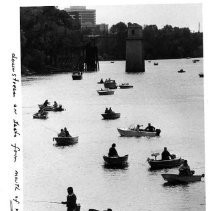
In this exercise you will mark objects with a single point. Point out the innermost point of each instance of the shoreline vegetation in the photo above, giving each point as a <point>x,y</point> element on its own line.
<point>51,41</point>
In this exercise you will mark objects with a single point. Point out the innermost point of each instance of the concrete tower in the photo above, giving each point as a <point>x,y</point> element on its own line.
<point>134,49</point>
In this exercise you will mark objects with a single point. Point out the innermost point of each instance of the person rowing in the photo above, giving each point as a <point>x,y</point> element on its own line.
<point>66,132</point>
<point>184,170</point>
<point>166,155</point>
<point>71,202</point>
<point>113,151</point>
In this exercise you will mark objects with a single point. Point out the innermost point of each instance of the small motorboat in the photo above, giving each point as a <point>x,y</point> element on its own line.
<point>195,60</point>
<point>111,115</point>
<point>130,132</point>
<point>201,75</point>
<point>63,141</point>
<point>181,71</point>
<point>40,116</point>
<point>51,108</point>
<point>116,161</point>
<point>77,75</point>
<point>155,63</point>
<point>110,84</point>
<point>125,86</point>
<point>105,92</point>
<point>176,178</point>
<point>160,164</point>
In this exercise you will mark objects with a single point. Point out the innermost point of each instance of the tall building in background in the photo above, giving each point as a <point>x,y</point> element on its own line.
<point>87,17</point>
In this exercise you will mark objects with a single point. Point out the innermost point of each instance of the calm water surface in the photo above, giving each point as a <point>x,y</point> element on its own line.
<point>171,101</point>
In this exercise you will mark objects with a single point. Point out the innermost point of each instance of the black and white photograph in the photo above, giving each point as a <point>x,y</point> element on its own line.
<point>108,107</point>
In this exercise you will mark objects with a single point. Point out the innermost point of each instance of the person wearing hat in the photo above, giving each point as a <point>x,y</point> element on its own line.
<point>113,151</point>
<point>71,200</point>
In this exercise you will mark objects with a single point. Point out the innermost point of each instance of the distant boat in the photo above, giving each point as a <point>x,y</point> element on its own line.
<point>175,178</point>
<point>126,132</point>
<point>63,141</point>
<point>51,108</point>
<point>160,164</point>
<point>155,63</point>
<point>195,60</point>
<point>110,84</point>
<point>111,115</point>
<point>125,86</point>
<point>149,61</point>
<point>115,161</point>
<point>77,75</point>
<point>201,75</point>
<point>112,62</point>
<point>39,116</point>
<point>101,81</point>
<point>105,92</point>
<point>181,71</point>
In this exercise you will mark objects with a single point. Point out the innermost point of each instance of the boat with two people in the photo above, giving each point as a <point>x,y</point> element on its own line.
<point>125,86</point>
<point>64,138</point>
<point>113,159</point>
<point>167,160</point>
<point>105,92</point>
<point>77,75</point>
<point>136,131</point>
<point>55,107</point>
<point>109,114</point>
<point>185,175</point>
<point>181,71</point>
<point>40,115</point>
<point>110,84</point>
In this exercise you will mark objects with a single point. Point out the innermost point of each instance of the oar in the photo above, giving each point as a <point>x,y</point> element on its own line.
<point>54,202</point>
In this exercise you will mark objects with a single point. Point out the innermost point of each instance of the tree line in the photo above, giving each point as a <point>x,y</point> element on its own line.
<point>52,38</point>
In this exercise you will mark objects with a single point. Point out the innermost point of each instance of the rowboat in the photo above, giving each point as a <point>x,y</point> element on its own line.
<point>155,63</point>
<point>38,116</point>
<point>110,84</point>
<point>181,71</point>
<point>201,75</point>
<point>125,86</point>
<point>77,75</point>
<point>105,92</point>
<point>175,178</point>
<point>51,108</point>
<point>134,133</point>
<point>160,164</point>
<point>116,161</point>
<point>195,60</point>
<point>62,141</point>
<point>111,115</point>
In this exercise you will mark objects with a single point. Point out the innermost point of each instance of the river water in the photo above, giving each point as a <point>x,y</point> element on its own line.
<point>169,100</point>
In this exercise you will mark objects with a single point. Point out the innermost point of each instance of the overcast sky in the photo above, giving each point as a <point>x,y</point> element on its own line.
<point>181,15</point>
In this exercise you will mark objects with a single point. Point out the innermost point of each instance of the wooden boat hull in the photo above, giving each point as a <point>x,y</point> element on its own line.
<point>62,141</point>
<point>181,71</point>
<point>115,161</point>
<point>125,86</point>
<point>77,77</point>
<point>50,108</point>
<point>40,117</point>
<point>104,92</point>
<point>134,133</point>
<point>201,75</point>
<point>175,178</point>
<point>160,164</point>
<point>111,115</point>
<point>100,82</point>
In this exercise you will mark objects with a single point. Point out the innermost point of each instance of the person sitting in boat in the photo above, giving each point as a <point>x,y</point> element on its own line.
<point>110,110</point>
<point>66,132</point>
<point>165,154</point>
<point>62,133</point>
<point>71,202</point>
<point>101,81</point>
<point>138,128</point>
<point>113,151</point>
<point>46,103</point>
<point>184,170</point>
<point>42,112</point>
<point>55,105</point>
<point>106,111</point>
<point>150,128</point>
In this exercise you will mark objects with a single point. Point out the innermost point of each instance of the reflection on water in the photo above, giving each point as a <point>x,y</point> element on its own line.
<point>171,101</point>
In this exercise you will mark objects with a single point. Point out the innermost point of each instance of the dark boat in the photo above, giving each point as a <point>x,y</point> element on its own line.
<point>105,92</point>
<point>110,84</point>
<point>77,75</point>
<point>111,115</point>
<point>39,116</point>
<point>181,71</point>
<point>64,141</point>
<point>195,60</point>
<point>175,178</point>
<point>201,75</point>
<point>51,108</point>
<point>116,161</point>
<point>125,86</point>
<point>160,164</point>
<point>155,63</point>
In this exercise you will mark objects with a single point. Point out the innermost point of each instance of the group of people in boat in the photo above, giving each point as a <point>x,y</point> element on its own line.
<point>108,111</point>
<point>149,128</point>
<point>55,104</point>
<point>184,170</point>
<point>64,133</point>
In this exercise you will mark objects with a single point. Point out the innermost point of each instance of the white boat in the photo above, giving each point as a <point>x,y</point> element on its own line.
<point>105,92</point>
<point>134,133</point>
<point>62,141</point>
